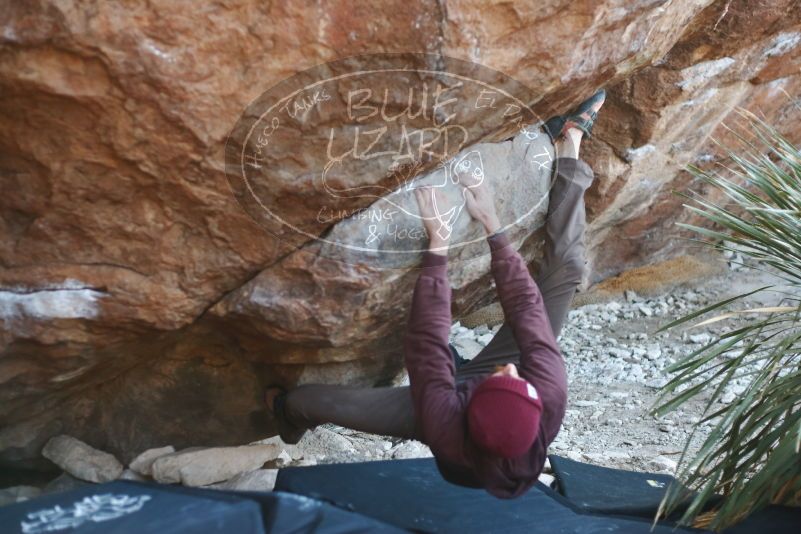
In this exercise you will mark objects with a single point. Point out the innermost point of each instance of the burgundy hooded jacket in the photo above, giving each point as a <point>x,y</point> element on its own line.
<point>440,403</point>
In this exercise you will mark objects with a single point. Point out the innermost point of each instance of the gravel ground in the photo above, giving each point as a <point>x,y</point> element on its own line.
<point>616,363</point>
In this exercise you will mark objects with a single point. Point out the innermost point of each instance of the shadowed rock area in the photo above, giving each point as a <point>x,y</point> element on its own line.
<point>141,305</point>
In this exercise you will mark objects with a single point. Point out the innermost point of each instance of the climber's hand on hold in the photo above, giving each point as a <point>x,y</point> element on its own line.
<point>480,204</point>
<point>428,198</point>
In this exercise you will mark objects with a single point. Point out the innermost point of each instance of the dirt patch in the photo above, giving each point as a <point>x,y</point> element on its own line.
<point>649,280</point>
<point>654,279</point>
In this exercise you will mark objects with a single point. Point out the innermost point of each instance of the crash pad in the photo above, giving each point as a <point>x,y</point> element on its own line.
<point>124,507</point>
<point>607,491</point>
<point>604,490</point>
<point>411,494</point>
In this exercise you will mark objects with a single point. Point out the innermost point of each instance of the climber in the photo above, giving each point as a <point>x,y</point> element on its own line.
<point>489,422</point>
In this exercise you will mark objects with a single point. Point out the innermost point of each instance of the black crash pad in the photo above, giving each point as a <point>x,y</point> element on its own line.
<point>603,490</point>
<point>136,508</point>
<point>412,494</point>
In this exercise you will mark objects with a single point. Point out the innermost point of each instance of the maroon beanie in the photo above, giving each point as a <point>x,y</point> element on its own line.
<point>503,416</point>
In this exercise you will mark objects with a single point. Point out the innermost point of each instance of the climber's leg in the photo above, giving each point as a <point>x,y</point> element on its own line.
<point>562,266</point>
<point>385,411</point>
<point>502,349</point>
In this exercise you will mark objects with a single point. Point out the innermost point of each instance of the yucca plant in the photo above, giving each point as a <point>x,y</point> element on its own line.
<point>752,456</point>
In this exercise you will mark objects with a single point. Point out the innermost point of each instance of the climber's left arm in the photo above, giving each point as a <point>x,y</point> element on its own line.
<point>427,355</point>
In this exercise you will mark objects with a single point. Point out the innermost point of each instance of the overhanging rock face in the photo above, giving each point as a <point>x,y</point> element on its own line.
<point>141,305</point>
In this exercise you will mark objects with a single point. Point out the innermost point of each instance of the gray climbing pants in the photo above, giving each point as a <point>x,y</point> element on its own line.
<point>389,411</point>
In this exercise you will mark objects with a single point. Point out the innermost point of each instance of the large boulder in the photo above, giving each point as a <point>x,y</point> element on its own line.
<point>142,304</point>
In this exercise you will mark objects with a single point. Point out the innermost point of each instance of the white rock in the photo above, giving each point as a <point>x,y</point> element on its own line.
<point>63,482</point>
<point>82,461</point>
<point>619,352</point>
<point>630,296</point>
<point>632,154</point>
<point>294,451</point>
<point>258,480</point>
<point>662,463</point>
<point>700,339</point>
<point>18,494</point>
<point>645,310</point>
<point>201,467</point>
<point>282,460</point>
<point>585,403</point>
<point>653,352</point>
<point>143,463</point>
<point>485,339</point>
<point>411,449</point>
<point>129,474</point>
<point>467,347</point>
<point>656,383</point>
<point>547,479</point>
<point>481,330</point>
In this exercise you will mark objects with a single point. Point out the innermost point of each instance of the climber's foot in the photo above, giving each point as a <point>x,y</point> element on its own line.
<point>568,143</point>
<point>270,395</point>
<point>275,398</point>
<point>576,124</point>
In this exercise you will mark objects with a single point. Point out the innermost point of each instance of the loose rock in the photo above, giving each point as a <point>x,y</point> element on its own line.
<point>81,460</point>
<point>63,482</point>
<point>700,339</point>
<point>411,449</point>
<point>201,467</point>
<point>485,339</point>
<point>661,463</point>
<point>18,494</point>
<point>467,347</point>
<point>143,463</point>
<point>282,460</point>
<point>130,474</point>
<point>547,479</point>
<point>258,480</point>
